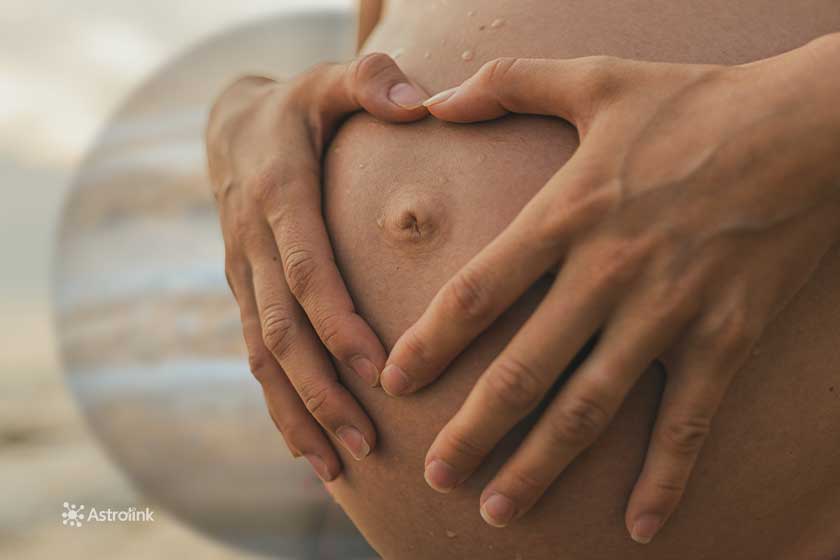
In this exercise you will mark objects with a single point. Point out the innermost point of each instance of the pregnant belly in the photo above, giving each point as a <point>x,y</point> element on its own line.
<point>441,42</point>
<point>406,206</point>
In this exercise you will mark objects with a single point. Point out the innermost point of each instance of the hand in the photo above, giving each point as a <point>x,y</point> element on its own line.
<point>700,200</point>
<point>264,143</point>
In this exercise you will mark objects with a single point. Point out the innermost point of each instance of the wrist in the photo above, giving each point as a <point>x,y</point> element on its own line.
<point>225,117</point>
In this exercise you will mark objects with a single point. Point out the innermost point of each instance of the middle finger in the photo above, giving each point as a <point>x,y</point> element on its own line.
<point>631,341</point>
<point>303,358</point>
<point>519,377</point>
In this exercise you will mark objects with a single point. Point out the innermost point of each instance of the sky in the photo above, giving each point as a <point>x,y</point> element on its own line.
<point>64,67</point>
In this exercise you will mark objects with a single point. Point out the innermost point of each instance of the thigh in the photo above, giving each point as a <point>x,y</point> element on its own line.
<point>406,206</point>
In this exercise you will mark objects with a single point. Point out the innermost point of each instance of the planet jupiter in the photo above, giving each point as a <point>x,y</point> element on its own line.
<point>149,333</point>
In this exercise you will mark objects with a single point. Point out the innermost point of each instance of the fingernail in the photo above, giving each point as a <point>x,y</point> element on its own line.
<point>645,528</point>
<point>365,369</point>
<point>354,441</point>
<point>498,510</point>
<point>440,476</point>
<point>406,95</point>
<point>394,381</point>
<point>320,467</point>
<point>440,97</point>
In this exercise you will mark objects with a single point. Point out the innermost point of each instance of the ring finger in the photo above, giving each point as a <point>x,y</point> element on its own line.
<point>297,349</point>
<point>582,410</point>
<point>301,432</point>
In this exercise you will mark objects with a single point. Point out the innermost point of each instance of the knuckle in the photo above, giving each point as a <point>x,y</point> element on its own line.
<point>729,334</point>
<point>575,212</point>
<point>236,269</point>
<point>669,486</point>
<point>230,283</point>
<point>579,422</point>
<point>315,397</point>
<point>294,431</point>
<point>299,265</point>
<point>463,445</point>
<point>685,436</point>
<point>676,298</point>
<point>527,485</point>
<point>369,67</point>
<point>600,76</point>
<point>330,330</point>
<point>241,230</point>
<point>465,298</point>
<point>280,183</point>
<point>258,363</point>
<point>620,262</point>
<point>265,182</point>
<point>277,330</point>
<point>736,333</point>
<point>497,75</point>
<point>416,345</point>
<point>497,69</point>
<point>514,384</point>
<point>226,187</point>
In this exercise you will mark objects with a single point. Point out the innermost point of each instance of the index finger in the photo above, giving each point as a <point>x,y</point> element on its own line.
<point>571,89</point>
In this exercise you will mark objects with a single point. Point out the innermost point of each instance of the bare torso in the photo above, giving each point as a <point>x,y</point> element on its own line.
<point>408,205</point>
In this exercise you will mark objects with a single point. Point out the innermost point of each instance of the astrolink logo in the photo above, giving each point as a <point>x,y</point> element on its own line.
<point>74,516</point>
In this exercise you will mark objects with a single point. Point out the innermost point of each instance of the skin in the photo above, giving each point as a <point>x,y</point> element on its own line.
<point>669,262</point>
<point>278,260</point>
<point>406,207</point>
<point>276,318</point>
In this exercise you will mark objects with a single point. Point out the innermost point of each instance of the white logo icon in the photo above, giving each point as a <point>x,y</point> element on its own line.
<point>72,515</point>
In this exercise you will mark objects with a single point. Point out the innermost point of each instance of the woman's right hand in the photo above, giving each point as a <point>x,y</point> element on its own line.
<point>265,141</point>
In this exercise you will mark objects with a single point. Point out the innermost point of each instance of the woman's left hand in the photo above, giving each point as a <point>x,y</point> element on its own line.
<point>700,200</point>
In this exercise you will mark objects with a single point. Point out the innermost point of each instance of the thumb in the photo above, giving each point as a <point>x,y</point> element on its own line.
<point>571,89</point>
<point>375,84</point>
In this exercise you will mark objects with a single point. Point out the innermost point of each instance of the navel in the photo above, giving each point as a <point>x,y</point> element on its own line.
<point>414,219</point>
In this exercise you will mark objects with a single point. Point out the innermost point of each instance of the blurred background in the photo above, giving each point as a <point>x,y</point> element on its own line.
<point>113,307</point>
